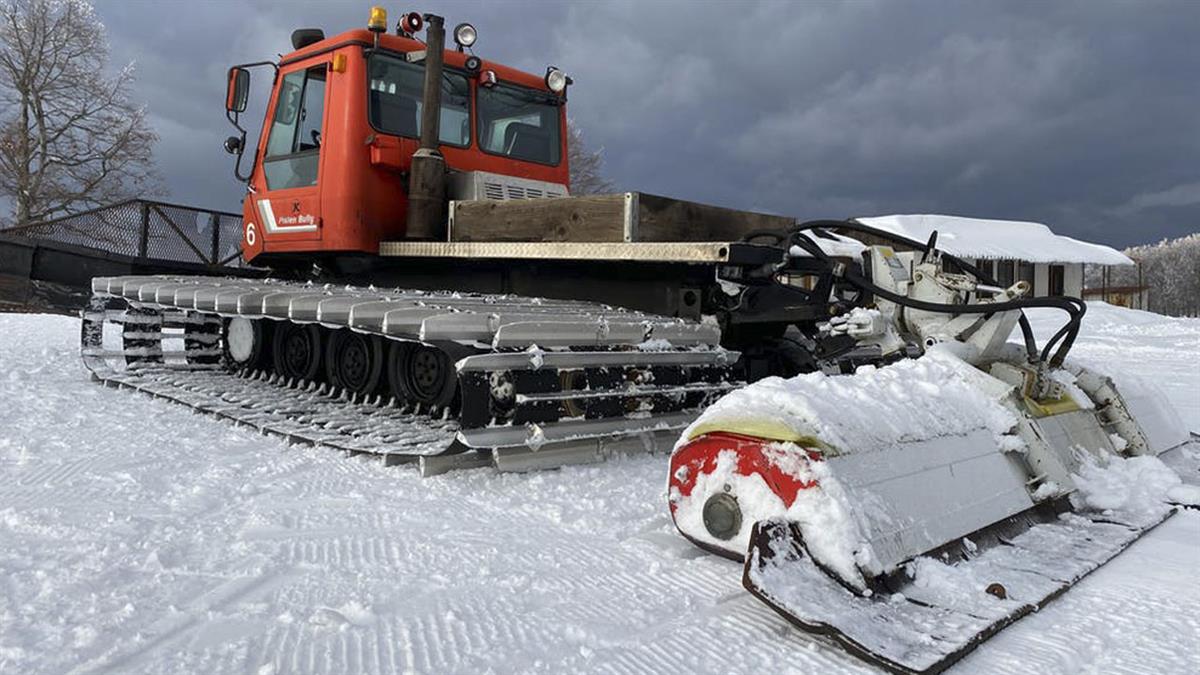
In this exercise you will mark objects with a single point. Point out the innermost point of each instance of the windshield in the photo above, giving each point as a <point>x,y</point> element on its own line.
<point>394,100</point>
<point>519,123</point>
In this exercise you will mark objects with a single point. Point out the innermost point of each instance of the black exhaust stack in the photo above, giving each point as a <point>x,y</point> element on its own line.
<point>426,218</point>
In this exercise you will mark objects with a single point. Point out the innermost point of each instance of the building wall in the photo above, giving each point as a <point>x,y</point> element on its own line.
<point>1073,274</point>
<point>1073,280</point>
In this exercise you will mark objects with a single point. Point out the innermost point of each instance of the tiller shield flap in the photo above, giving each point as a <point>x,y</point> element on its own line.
<point>934,613</point>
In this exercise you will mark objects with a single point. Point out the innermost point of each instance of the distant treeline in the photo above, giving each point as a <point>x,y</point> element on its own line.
<point>1170,269</point>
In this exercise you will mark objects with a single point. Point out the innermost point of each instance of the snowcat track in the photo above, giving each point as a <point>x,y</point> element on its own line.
<point>298,412</point>
<point>640,378</point>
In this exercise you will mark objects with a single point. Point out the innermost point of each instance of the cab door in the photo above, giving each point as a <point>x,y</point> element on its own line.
<point>287,201</point>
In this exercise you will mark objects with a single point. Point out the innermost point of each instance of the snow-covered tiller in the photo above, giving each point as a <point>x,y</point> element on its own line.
<point>909,511</point>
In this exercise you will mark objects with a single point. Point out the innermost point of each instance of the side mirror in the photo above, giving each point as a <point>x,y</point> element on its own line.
<point>237,90</point>
<point>233,145</point>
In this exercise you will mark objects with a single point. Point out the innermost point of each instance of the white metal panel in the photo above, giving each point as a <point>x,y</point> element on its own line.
<point>1073,280</point>
<point>475,185</point>
<point>921,495</point>
<point>686,333</point>
<point>1041,280</point>
<point>278,305</point>
<point>549,333</point>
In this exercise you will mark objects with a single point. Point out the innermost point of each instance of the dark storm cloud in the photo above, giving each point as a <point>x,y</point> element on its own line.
<point>1080,114</point>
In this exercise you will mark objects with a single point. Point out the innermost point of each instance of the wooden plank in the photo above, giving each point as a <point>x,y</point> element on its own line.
<point>667,219</point>
<point>594,218</point>
<point>605,218</point>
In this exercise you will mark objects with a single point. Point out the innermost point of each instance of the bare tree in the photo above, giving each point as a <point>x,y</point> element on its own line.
<point>586,166</point>
<point>70,138</point>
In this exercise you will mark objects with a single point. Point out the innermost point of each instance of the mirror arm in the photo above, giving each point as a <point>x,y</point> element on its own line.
<point>237,164</point>
<point>234,117</point>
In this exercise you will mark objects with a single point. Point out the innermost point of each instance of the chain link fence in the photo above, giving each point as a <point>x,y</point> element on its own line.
<point>146,229</point>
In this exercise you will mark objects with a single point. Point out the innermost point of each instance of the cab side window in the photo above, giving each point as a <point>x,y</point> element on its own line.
<point>294,143</point>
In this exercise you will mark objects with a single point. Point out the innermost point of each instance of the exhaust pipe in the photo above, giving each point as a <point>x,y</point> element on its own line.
<point>426,216</point>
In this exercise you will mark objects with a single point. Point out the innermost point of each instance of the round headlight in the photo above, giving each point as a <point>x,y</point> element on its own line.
<point>464,34</point>
<point>722,516</point>
<point>556,80</point>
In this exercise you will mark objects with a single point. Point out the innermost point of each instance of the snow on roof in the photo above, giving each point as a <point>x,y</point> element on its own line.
<point>997,239</point>
<point>832,244</point>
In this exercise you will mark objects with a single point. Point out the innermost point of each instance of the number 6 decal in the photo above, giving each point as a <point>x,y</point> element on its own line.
<point>251,235</point>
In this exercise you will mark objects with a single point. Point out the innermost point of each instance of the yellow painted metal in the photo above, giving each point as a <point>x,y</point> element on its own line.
<point>770,430</point>
<point>1046,407</point>
<point>378,20</point>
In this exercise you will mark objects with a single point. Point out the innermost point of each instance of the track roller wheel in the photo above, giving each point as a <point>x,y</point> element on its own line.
<point>247,342</point>
<point>296,350</point>
<point>421,374</point>
<point>573,380</point>
<point>354,361</point>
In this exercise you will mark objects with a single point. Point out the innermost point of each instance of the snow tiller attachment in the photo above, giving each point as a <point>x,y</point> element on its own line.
<point>909,511</point>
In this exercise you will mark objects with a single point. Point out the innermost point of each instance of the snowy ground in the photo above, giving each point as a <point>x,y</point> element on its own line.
<point>136,536</point>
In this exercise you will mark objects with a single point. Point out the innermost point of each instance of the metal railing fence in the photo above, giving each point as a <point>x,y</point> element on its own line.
<point>147,229</point>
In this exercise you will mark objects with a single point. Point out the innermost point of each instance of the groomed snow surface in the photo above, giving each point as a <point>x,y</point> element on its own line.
<point>136,536</point>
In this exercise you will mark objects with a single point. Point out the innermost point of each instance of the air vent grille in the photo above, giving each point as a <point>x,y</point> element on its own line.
<point>493,191</point>
<point>484,185</point>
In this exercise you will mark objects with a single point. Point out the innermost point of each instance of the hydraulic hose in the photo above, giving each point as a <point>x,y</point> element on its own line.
<point>1066,335</point>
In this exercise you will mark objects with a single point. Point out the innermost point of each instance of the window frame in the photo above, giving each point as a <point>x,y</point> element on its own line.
<point>296,126</point>
<point>1010,267</point>
<point>268,158</point>
<point>400,56</point>
<point>1054,270</point>
<point>987,266</point>
<point>1031,278</point>
<point>549,96</point>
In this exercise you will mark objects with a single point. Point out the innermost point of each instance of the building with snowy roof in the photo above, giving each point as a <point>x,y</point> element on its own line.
<point>1010,250</point>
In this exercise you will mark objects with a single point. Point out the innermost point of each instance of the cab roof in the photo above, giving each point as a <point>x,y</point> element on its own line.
<point>395,43</point>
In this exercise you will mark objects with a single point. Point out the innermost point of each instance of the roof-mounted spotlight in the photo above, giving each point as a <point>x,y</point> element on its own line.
<point>556,80</point>
<point>473,64</point>
<point>465,35</point>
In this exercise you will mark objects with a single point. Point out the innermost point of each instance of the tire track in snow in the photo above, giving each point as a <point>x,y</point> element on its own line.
<point>54,472</point>
<point>166,632</point>
<point>38,481</point>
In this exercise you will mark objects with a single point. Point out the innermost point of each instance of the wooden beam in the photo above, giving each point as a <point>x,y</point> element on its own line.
<point>667,219</point>
<point>624,217</point>
<point>595,218</point>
